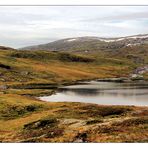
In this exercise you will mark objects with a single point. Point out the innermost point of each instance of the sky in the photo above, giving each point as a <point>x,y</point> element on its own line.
<point>22,26</point>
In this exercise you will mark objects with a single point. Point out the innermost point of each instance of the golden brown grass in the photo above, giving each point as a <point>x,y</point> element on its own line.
<point>47,67</point>
<point>63,122</point>
<point>74,122</point>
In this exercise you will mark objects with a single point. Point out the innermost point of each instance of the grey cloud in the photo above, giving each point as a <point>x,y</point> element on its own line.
<point>23,26</point>
<point>121,17</point>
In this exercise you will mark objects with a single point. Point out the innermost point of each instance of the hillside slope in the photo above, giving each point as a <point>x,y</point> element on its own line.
<point>25,74</point>
<point>87,44</point>
<point>17,67</point>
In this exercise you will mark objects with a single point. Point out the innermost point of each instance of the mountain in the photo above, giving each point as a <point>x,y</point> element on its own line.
<point>6,48</point>
<point>89,44</point>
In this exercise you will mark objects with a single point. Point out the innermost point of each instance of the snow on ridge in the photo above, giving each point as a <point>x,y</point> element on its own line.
<point>133,44</point>
<point>123,38</point>
<point>107,40</point>
<point>70,40</point>
<point>137,37</point>
<point>111,39</point>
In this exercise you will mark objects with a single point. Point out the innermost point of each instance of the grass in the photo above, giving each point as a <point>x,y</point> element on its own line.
<point>47,56</point>
<point>30,92</point>
<point>133,121</point>
<point>11,109</point>
<point>69,122</point>
<point>16,111</point>
<point>23,118</point>
<point>94,121</point>
<point>28,67</point>
<point>145,76</point>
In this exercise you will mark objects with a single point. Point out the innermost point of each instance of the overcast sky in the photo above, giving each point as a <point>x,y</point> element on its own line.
<point>25,26</point>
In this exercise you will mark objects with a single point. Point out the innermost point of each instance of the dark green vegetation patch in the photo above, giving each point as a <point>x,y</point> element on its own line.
<point>8,111</point>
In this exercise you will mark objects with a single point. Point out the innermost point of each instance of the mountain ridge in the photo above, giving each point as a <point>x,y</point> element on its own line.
<point>64,44</point>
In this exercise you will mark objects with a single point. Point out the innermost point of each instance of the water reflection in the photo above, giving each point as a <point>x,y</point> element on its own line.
<point>81,92</point>
<point>106,93</point>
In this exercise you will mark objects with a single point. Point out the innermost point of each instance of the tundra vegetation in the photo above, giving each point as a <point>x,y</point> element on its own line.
<point>25,74</point>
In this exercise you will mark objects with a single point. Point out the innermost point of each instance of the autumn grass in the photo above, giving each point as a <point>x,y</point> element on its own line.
<point>146,76</point>
<point>27,67</point>
<point>69,122</point>
<point>23,118</point>
<point>11,108</point>
<point>30,92</point>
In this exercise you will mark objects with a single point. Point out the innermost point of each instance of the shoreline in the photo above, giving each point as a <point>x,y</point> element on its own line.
<point>77,122</point>
<point>33,120</point>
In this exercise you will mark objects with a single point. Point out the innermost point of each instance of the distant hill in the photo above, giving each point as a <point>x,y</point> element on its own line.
<point>6,48</point>
<point>89,44</point>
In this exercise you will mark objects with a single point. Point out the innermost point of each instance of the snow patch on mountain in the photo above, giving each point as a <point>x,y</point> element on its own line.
<point>136,44</point>
<point>105,40</point>
<point>138,37</point>
<point>125,38</point>
<point>71,40</point>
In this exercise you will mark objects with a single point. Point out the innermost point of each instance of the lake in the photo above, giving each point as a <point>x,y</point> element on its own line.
<point>105,93</point>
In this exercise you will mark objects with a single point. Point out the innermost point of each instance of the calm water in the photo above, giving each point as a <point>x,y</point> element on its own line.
<point>107,93</point>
